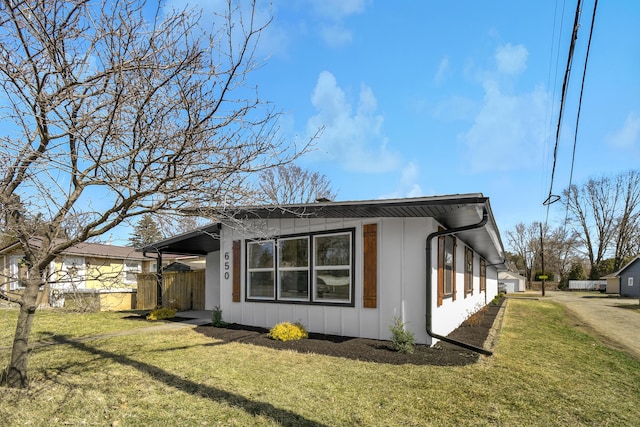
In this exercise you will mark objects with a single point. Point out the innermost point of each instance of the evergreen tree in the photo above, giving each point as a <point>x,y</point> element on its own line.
<point>145,232</point>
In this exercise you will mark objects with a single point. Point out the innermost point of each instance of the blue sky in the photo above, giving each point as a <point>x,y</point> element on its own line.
<point>426,98</point>
<point>422,98</point>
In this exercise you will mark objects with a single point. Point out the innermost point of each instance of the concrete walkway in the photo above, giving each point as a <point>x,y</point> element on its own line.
<point>605,315</point>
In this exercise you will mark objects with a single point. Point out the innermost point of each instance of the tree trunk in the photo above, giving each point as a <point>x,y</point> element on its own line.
<point>16,374</point>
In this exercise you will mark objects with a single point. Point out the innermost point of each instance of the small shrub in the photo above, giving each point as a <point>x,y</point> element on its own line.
<point>497,300</point>
<point>216,318</point>
<point>162,313</point>
<point>402,340</point>
<point>287,331</point>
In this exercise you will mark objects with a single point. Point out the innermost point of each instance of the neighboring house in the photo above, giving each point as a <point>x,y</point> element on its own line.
<point>513,282</point>
<point>628,279</point>
<point>349,268</point>
<point>83,268</point>
<point>613,284</point>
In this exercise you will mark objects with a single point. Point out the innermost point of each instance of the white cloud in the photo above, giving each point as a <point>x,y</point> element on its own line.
<point>332,14</point>
<point>336,35</point>
<point>511,60</point>
<point>509,129</point>
<point>407,186</point>
<point>508,132</point>
<point>629,135</point>
<point>444,68</point>
<point>337,10</point>
<point>351,137</point>
<point>455,108</point>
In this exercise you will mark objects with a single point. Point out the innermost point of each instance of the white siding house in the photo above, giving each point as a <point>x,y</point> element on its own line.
<point>349,268</point>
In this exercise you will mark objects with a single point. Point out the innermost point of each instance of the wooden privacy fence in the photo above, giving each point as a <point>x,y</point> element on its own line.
<point>183,290</point>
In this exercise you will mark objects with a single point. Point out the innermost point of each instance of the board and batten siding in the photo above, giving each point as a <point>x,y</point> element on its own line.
<point>400,286</point>
<point>630,280</point>
<point>448,316</point>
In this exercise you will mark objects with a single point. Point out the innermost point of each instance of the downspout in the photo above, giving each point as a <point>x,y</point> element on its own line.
<point>485,218</point>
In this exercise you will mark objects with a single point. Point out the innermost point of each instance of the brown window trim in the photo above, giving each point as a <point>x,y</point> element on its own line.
<point>441,269</point>
<point>483,275</point>
<point>468,271</point>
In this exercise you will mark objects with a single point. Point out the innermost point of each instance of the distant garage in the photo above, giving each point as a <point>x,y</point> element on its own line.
<point>511,282</point>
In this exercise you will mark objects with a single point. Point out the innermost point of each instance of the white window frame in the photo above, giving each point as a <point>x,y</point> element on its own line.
<point>271,269</point>
<point>70,282</point>
<point>346,267</point>
<point>131,267</point>
<point>282,268</point>
<point>14,272</point>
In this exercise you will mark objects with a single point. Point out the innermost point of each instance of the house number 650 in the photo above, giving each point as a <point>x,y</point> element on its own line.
<point>226,265</point>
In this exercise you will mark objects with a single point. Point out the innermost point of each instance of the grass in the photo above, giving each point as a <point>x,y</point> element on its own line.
<point>543,372</point>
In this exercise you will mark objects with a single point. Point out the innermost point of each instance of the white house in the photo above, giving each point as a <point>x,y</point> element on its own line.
<point>349,268</point>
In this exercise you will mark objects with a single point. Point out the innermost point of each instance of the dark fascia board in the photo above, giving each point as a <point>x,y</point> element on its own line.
<point>182,244</point>
<point>363,209</point>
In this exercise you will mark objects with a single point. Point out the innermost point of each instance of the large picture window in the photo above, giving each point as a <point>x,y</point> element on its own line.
<point>312,268</point>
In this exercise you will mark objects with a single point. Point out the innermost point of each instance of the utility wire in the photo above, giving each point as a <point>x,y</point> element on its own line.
<point>574,36</point>
<point>549,110</point>
<point>584,73</point>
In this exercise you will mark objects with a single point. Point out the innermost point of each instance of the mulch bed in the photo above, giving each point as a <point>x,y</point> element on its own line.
<point>442,354</point>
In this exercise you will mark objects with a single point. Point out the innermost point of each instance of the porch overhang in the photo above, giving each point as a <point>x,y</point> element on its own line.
<point>197,242</point>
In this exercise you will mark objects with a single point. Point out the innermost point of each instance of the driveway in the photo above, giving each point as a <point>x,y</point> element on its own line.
<point>606,315</point>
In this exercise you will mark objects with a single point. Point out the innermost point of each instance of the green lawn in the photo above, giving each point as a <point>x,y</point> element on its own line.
<point>543,372</point>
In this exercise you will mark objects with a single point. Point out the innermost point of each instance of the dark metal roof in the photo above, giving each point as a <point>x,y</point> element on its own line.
<point>451,211</point>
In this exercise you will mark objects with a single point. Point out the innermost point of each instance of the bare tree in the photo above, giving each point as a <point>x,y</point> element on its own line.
<point>560,249</point>
<point>628,220</point>
<point>112,110</point>
<point>524,240</point>
<point>289,184</point>
<point>592,209</point>
<point>606,214</point>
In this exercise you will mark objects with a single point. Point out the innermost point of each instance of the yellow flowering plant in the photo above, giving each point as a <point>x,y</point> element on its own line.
<point>162,313</point>
<point>287,331</point>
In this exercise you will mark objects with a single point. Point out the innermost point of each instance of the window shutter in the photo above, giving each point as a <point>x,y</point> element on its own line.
<point>370,261</point>
<point>236,271</point>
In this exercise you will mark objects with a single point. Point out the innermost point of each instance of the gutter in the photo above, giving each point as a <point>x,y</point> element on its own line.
<point>429,315</point>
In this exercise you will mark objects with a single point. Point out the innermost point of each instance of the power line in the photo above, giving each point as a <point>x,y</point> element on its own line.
<point>584,73</point>
<point>551,198</point>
